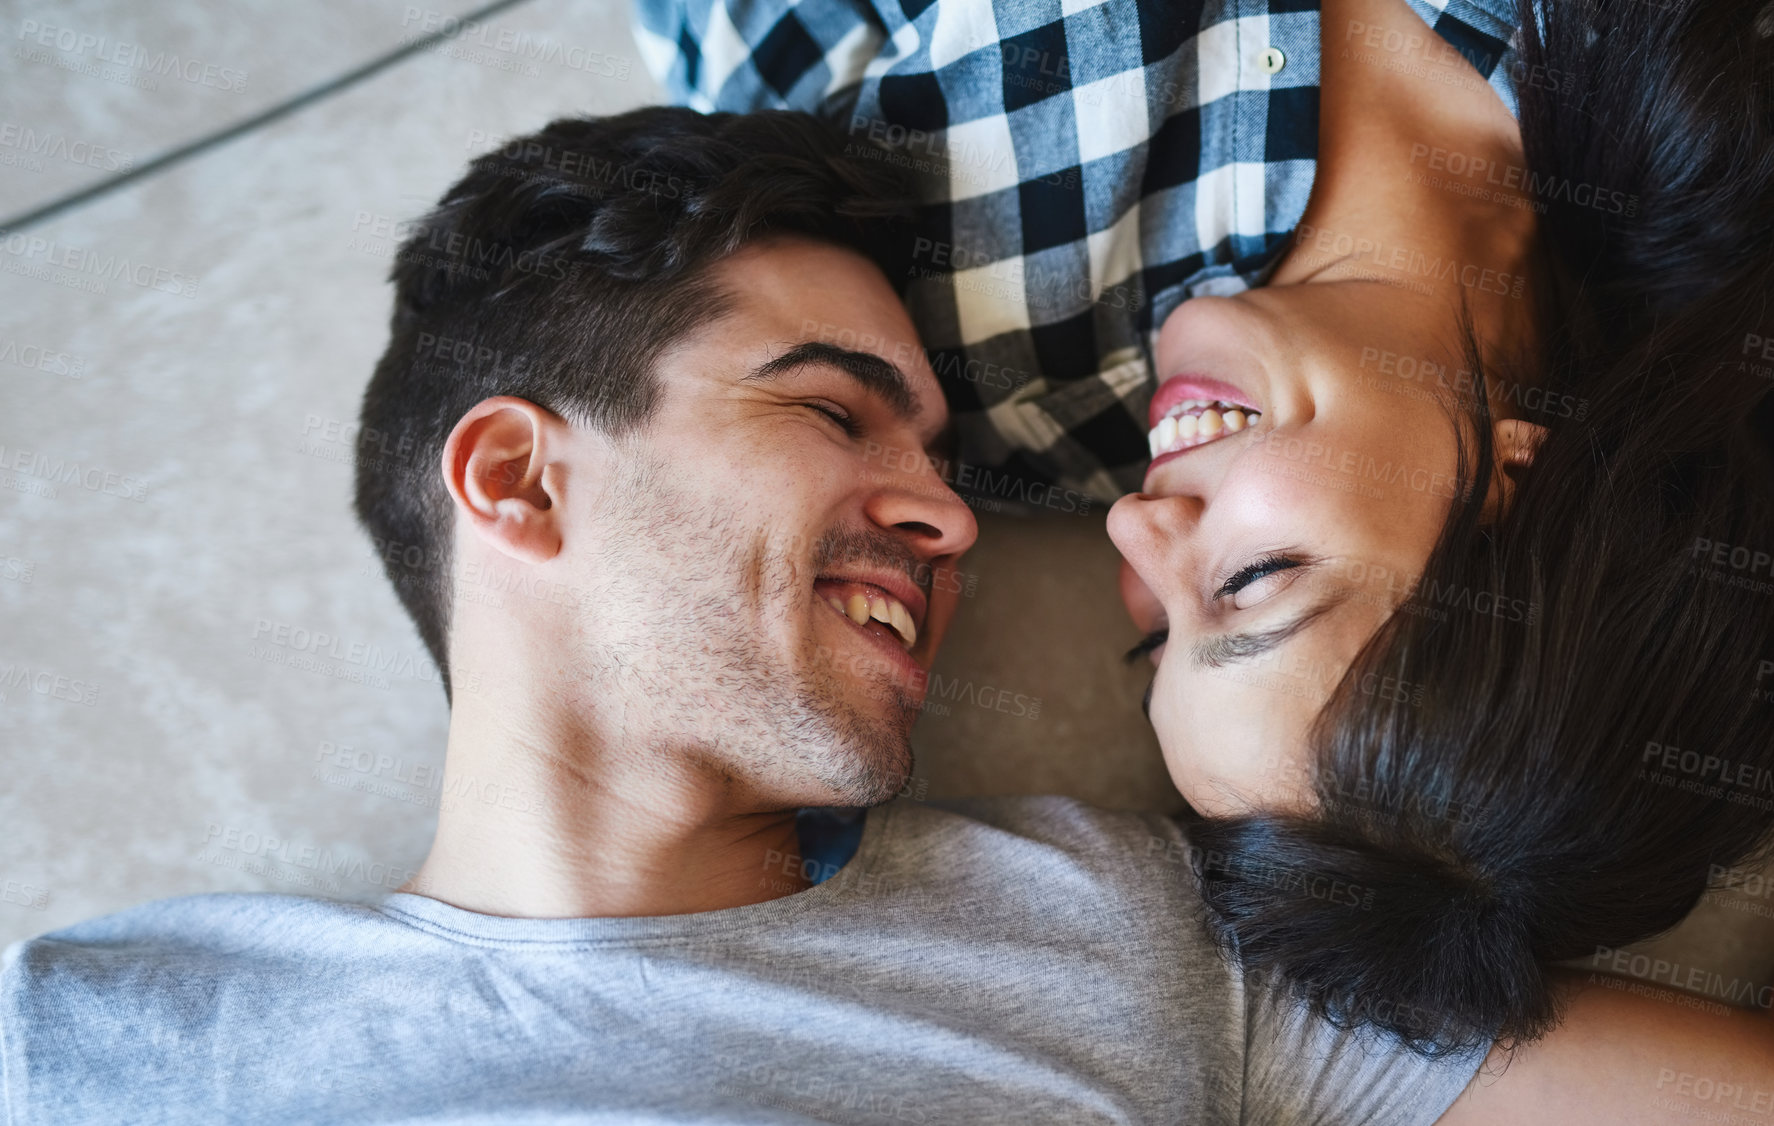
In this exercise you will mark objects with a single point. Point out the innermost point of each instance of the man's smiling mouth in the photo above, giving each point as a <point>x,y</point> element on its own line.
<point>864,603</point>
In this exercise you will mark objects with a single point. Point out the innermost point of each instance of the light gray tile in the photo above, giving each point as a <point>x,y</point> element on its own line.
<point>94,87</point>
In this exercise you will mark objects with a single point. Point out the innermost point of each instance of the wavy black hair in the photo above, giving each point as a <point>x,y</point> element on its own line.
<point>560,268</point>
<point>1520,804</point>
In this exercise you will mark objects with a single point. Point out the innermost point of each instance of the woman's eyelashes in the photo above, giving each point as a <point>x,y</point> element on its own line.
<point>1252,575</point>
<point>1148,644</point>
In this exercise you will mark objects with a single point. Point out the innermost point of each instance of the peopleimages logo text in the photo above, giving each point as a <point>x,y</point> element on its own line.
<point>132,56</point>
<point>360,653</point>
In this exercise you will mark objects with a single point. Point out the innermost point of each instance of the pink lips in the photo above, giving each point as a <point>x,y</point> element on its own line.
<point>1179,387</point>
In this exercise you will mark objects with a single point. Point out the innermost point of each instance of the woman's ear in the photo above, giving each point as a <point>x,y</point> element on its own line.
<point>1515,443</point>
<point>497,466</point>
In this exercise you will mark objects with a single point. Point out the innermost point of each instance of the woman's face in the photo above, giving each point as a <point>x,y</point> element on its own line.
<point>1272,551</point>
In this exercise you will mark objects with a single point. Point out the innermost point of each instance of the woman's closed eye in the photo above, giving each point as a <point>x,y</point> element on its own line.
<point>1147,646</point>
<point>1256,581</point>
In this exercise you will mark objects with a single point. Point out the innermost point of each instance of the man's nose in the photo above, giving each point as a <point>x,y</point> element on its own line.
<point>914,499</point>
<point>916,503</point>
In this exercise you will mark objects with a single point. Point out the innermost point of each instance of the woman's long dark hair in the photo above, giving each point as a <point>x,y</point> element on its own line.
<point>1589,720</point>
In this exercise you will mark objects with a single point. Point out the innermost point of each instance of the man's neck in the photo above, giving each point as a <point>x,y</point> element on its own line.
<point>542,821</point>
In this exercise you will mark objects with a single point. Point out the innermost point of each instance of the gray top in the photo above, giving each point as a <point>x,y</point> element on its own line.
<point>1013,960</point>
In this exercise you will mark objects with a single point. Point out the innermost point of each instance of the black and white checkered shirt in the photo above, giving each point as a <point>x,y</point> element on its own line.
<point>1085,164</point>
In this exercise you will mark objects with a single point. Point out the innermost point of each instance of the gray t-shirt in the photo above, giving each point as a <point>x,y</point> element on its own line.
<point>1025,960</point>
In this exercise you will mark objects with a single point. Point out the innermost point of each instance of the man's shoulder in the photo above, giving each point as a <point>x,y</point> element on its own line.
<point>108,969</point>
<point>227,922</point>
<point>136,995</point>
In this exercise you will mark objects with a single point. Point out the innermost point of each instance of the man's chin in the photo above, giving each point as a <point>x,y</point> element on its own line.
<point>879,763</point>
<point>882,785</point>
<point>866,746</point>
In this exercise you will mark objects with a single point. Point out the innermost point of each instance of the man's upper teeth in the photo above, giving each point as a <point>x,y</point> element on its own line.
<point>1194,421</point>
<point>865,603</point>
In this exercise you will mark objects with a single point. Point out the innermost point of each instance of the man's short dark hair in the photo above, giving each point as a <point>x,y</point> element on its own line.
<point>560,268</point>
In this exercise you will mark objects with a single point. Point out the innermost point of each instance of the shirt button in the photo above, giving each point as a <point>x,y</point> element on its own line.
<point>1272,60</point>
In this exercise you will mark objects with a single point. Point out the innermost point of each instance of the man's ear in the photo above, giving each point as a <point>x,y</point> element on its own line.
<point>496,464</point>
<point>1515,442</point>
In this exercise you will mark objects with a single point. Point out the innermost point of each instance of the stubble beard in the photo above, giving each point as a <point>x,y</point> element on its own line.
<point>814,730</point>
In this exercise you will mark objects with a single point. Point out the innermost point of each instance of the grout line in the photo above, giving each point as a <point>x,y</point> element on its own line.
<point>283,109</point>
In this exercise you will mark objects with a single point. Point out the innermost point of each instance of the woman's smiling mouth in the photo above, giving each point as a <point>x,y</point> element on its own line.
<point>1195,422</point>
<point>1193,410</point>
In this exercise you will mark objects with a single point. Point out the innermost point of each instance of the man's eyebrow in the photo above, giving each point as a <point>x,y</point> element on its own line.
<point>876,375</point>
<point>1231,648</point>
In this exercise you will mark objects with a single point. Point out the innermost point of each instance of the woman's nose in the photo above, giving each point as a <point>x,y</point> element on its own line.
<point>1143,607</point>
<point>1152,533</point>
<point>1143,525</point>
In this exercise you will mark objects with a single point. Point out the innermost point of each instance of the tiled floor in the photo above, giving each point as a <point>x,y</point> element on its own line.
<point>204,398</point>
<point>208,395</point>
<point>101,87</point>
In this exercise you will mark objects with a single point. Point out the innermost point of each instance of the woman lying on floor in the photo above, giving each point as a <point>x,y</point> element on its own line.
<point>1436,549</point>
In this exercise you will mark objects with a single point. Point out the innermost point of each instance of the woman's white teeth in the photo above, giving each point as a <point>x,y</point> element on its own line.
<point>1194,421</point>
